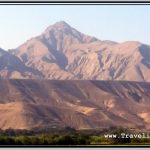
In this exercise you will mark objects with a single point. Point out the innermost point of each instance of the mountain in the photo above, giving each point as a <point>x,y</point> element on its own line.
<point>61,52</point>
<point>70,82</point>
<point>25,104</point>
<point>12,67</point>
<point>47,51</point>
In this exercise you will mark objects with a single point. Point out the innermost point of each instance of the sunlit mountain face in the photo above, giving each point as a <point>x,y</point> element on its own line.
<point>61,52</point>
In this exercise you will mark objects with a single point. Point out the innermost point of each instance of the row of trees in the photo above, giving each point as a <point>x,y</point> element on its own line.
<point>45,140</point>
<point>67,136</point>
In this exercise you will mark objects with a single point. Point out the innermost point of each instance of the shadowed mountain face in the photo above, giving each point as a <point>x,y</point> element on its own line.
<point>12,67</point>
<point>25,104</point>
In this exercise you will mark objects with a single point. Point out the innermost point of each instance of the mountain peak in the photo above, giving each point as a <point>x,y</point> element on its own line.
<point>62,29</point>
<point>61,25</point>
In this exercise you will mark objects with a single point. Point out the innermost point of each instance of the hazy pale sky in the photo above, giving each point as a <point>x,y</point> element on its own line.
<point>107,22</point>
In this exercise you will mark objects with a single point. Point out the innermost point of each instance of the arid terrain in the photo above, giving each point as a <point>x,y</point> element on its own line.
<point>61,52</point>
<point>66,78</point>
<point>79,104</point>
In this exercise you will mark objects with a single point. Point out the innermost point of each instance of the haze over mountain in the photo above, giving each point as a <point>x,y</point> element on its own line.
<point>62,52</point>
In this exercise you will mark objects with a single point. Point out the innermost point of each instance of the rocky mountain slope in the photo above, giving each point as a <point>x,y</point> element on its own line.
<point>65,56</point>
<point>12,67</point>
<point>62,52</point>
<point>25,104</point>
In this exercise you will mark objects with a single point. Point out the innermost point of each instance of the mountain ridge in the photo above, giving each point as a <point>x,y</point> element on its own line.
<point>61,52</point>
<point>66,78</point>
